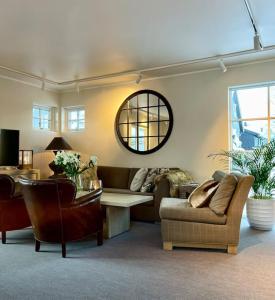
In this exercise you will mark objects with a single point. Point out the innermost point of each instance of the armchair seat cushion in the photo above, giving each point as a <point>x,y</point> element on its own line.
<point>181,210</point>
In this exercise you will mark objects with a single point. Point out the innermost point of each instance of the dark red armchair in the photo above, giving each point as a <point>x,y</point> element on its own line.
<point>57,217</point>
<point>13,212</point>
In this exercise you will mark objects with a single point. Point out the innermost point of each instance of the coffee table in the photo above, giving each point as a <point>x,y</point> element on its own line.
<point>118,211</point>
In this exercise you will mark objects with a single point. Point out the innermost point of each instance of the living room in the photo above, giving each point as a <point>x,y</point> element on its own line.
<point>97,60</point>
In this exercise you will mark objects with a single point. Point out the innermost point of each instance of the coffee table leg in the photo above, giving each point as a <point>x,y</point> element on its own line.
<point>117,221</point>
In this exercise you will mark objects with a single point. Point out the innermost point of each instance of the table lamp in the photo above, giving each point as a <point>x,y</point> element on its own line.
<point>57,144</point>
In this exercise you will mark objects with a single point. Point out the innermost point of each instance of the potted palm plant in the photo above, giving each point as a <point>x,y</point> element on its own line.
<point>259,163</point>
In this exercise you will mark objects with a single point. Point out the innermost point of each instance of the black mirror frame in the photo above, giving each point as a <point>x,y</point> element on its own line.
<point>171,122</point>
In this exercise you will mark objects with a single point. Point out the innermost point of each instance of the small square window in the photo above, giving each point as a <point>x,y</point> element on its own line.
<point>43,117</point>
<point>75,118</point>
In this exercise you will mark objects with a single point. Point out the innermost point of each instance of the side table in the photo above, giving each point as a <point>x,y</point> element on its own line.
<point>186,189</point>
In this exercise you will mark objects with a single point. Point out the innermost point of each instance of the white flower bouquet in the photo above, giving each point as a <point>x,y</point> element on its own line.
<point>71,163</point>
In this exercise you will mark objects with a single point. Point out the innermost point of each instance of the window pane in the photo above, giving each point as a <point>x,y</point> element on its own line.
<point>272,101</point>
<point>81,124</point>
<point>133,143</point>
<point>272,129</point>
<point>141,144</point>
<point>35,112</point>
<point>248,134</point>
<point>72,115</point>
<point>142,115</point>
<point>133,115</point>
<point>45,114</point>
<point>250,103</point>
<point>82,114</point>
<point>35,123</point>
<point>45,124</point>
<point>72,125</point>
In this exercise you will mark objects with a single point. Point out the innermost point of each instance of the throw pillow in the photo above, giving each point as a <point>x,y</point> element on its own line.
<point>223,195</point>
<point>203,193</point>
<point>176,178</point>
<point>138,179</point>
<point>148,184</point>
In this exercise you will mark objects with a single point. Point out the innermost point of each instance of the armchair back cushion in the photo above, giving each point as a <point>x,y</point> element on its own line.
<point>223,195</point>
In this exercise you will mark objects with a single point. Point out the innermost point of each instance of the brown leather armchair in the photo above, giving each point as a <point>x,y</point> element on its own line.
<point>55,214</point>
<point>13,213</point>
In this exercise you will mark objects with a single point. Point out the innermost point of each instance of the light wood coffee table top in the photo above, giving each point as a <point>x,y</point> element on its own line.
<point>121,200</point>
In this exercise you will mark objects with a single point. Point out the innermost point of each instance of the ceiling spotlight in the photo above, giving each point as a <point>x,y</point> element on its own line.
<point>139,79</point>
<point>77,87</point>
<point>222,65</point>
<point>43,85</point>
<point>257,42</point>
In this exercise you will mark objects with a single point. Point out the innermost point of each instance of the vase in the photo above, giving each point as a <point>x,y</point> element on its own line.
<point>77,179</point>
<point>260,213</point>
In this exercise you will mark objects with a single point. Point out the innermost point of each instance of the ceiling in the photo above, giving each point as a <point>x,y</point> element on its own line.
<point>63,40</point>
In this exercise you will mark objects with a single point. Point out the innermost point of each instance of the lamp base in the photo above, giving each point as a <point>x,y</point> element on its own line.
<point>58,171</point>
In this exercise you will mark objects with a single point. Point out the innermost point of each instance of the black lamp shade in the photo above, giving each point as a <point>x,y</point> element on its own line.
<point>58,143</point>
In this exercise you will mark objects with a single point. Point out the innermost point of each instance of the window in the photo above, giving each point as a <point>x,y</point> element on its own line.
<point>44,117</point>
<point>141,140</point>
<point>75,117</point>
<point>252,116</point>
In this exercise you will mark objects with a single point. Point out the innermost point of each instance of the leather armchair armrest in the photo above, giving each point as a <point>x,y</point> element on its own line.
<point>93,197</point>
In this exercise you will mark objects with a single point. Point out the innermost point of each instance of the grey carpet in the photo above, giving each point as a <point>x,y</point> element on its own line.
<point>133,266</point>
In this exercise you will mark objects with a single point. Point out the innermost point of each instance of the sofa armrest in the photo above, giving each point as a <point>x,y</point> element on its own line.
<point>162,190</point>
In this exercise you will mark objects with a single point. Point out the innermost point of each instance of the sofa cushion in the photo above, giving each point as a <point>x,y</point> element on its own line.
<point>223,195</point>
<point>138,179</point>
<point>181,210</point>
<point>149,183</point>
<point>203,193</point>
<point>113,177</point>
<point>127,191</point>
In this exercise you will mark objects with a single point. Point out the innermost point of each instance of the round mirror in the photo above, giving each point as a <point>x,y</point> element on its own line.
<point>144,122</point>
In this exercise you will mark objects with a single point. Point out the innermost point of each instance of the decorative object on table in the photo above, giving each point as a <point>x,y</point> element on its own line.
<point>144,122</point>
<point>95,184</point>
<point>89,176</point>
<point>25,159</point>
<point>73,167</point>
<point>57,144</point>
<point>259,163</point>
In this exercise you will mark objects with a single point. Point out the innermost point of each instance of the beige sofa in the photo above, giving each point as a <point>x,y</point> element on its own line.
<point>185,226</point>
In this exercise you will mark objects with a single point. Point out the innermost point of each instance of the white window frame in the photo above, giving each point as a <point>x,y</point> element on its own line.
<point>268,118</point>
<point>53,117</point>
<point>76,109</point>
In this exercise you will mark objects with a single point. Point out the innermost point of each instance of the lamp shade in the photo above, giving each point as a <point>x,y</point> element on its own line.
<point>58,143</point>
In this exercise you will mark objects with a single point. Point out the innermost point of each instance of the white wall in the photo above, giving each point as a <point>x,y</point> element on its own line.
<point>16,100</point>
<point>200,106</point>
